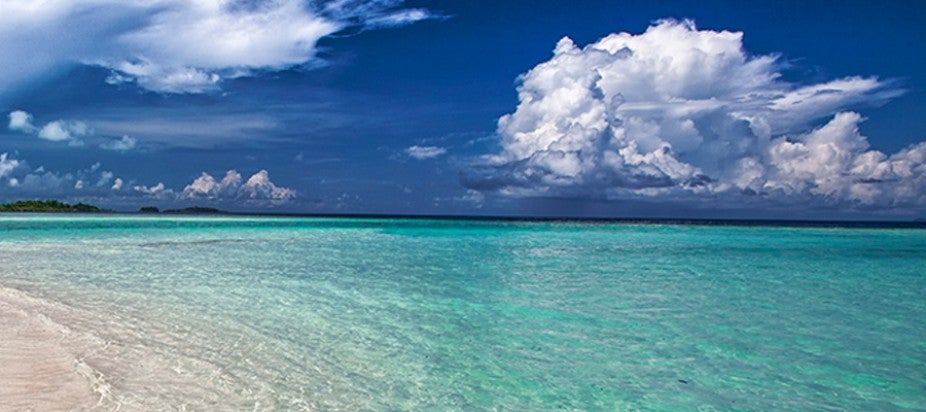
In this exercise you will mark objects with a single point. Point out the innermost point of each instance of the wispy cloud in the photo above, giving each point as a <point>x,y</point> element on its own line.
<point>425,152</point>
<point>185,129</point>
<point>124,144</point>
<point>400,18</point>
<point>178,46</point>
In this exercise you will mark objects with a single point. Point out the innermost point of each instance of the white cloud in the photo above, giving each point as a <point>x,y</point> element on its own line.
<point>257,187</point>
<point>425,152</point>
<point>46,183</point>
<point>206,186</point>
<point>678,112</point>
<point>399,18</point>
<point>22,121</point>
<point>7,165</point>
<point>158,191</point>
<point>56,131</point>
<point>94,181</point>
<point>60,130</point>
<point>186,128</point>
<point>22,179</point>
<point>105,178</point>
<point>474,197</point>
<point>124,144</point>
<point>177,46</point>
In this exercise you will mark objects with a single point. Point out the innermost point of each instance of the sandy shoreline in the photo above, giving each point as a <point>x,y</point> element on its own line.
<point>54,357</point>
<point>40,369</point>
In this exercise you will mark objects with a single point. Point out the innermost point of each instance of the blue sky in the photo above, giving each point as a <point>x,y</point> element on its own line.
<point>707,109</point>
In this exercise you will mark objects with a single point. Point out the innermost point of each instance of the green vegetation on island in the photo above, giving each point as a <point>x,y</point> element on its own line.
<point>48,206</point>
<point>57,206</point>
<point>195,210</point>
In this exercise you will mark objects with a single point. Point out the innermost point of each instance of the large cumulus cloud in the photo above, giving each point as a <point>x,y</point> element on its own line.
<point>681,113</point>
<point>177,46</point>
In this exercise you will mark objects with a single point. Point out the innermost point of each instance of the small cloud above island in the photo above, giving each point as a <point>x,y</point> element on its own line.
<point>257,187</point>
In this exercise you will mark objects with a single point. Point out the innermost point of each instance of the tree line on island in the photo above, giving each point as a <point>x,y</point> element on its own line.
<point>42,206</point>
<point>195,210</point>
<point>56,206</point>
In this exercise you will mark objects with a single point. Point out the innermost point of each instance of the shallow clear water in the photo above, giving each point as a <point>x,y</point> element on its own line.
<point>363,314</point>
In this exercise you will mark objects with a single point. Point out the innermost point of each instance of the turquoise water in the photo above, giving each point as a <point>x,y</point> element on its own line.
<point>308,313</point>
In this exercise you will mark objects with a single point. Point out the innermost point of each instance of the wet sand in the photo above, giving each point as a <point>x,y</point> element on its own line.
<point>38,369</point>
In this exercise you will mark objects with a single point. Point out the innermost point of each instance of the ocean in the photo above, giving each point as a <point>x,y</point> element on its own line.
<point>295,313</point>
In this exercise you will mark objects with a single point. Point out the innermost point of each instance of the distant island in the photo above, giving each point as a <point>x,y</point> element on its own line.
<point>195,210</point>
<point>57,206</point>
<point>49,206</point>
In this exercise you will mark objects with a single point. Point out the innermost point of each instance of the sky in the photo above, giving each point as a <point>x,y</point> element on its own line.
<point>712,109</point>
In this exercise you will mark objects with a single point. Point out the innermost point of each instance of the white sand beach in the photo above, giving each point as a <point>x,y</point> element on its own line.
<point>39,369</point>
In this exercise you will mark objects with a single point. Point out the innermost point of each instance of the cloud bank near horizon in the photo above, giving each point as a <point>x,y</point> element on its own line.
<point>682,114</point>
<point>178,46</point>
<point>17,177</point>
<point>257,189</point>
<point>231,186</point>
